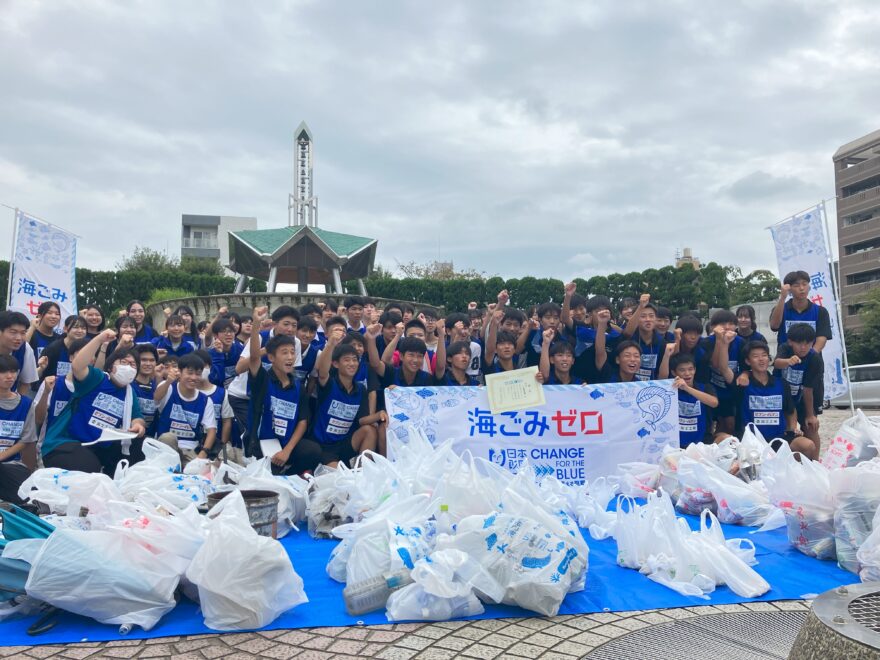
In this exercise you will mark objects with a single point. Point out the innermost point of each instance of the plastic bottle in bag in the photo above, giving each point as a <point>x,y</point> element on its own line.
<point>444,523</point>
<point>372,594</point>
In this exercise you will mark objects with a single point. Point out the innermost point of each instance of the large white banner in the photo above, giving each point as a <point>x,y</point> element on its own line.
<point>43,267</point>
<point>582,432</point>
<point>801,245</point>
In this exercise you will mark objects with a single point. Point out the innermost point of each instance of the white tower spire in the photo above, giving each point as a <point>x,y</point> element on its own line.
<point>302,205</point>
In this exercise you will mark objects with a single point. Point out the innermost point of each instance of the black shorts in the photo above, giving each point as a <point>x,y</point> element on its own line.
<point>337,451</point>
<point>802,413</point>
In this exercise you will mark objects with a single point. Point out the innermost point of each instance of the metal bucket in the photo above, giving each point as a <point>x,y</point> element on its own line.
<point>262,508</point>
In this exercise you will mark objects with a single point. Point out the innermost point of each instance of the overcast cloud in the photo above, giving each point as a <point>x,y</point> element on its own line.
<point>548,138</point>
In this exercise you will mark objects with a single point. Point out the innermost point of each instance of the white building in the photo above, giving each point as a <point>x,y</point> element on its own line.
<point>206,236</point>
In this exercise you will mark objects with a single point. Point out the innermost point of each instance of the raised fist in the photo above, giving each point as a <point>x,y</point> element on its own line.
<point>472,305</point>
<point>644,299</point>
<point>570,288</point>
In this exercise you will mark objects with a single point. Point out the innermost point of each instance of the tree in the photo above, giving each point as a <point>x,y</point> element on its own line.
<point>147,259</point>
<point>438,270</point>
<point>201,266</point>
<point>758,286</point>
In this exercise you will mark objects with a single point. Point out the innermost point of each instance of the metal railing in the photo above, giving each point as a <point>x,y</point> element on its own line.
<point>201,243</point>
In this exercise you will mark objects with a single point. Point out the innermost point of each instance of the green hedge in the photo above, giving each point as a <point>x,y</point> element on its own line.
<point>681,289</point>
<point>111,291</point>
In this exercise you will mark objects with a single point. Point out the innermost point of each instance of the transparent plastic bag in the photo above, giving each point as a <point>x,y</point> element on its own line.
<point>638,479</point>
<point>67,492</point>
<point>856,440</point>
<point>856,495</point>
<point>245,581</point>
<point>104,576</point>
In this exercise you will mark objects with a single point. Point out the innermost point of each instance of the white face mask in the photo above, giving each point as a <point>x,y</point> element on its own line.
<point>124,374</point>
<point>206,373</point>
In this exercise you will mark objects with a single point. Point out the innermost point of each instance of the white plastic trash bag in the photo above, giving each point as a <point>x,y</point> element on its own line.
<point>245,581</point>
<point>105,576</point>
<point>856,440</point>
<point>638,479</point>
<point>67,492</point>
<point>856,495</point>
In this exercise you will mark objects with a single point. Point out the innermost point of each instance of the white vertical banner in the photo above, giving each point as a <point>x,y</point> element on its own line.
<point>801,245</point>
<point>43,267</point>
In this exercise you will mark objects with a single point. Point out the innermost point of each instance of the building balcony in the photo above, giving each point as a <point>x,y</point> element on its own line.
<point>851,175</point>
<point>857,261</point>
<point>200,244</point>
<point>863,201</point>
<point>849,291</point>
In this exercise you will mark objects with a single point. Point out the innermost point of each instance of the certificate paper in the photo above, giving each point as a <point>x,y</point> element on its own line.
<point>514,390</point>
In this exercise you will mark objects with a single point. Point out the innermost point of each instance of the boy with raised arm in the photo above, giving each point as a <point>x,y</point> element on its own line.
<point>410,373</point>
<point>695,401</point>
<point>798,363</point>
<point>641,328</point>
<point>557,360</point>
<point>800,309</point>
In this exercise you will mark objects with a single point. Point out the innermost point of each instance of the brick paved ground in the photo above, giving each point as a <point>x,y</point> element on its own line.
<point>559,637</point>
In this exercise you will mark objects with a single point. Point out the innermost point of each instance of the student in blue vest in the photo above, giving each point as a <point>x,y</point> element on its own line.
<point>411,371</point>
<point>625,365</point>
<point>191,333</point>
<point>284,321</point>
<point>146,381</point>
<point>730,354</point>
<point>144,333</point>
<point>185,418</point>
<point>245,327</point>
<point>126,329</point>
<point>746,327</point>
<point>453,362</point>
<point>799,309</point>
<point>95,320</point>
<point>557,359</point>
<point>306,331</point>
<point>224,352</point>
<point>44,328</point>
<point>500,354</point>
<point>280,406</point>
<point>354,312</point>
<point>18,433</point>
<point>695,401</point>
<point>56,358</point>
<point>56,391</point>
<point>13,329</point>
<point>99,401</point>
<point>175,343</point>
<point>548,318</point>
<point>798,363</point>
<point>764,400</point>
<point>342,424</point>
<point>598,308</point>
<point>222,413</point>
<point>641,328</point>
<point>664,321</point>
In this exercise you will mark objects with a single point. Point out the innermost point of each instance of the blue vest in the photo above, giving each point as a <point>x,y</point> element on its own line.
<point>223,365</point>
<point>449,380</point>
<point>102,408</point>
<point>217,397</point>
<point>164,344</point>
<point>62,367</point>
<point>58,400</point>
<point>422,379</point>
<point>586,338</point>
<point>651,357</point>
<point>144,394</point>
<point>722,388</point>
<point>145,335</point>
<point>19,356</point>
<point>194,342</point>
<point>320,341</point>
<point>301,373</point>
<point>762,406</point>
<point>40,342</point>
<point>794,376</point>
<point>790,316</point>
<point>280,412</point>
<point>693,417</point>
<point>336,415</point>
<point>362,375</point>
<point>183,418</point>
<point>12,426</point>
<point>552,380</point>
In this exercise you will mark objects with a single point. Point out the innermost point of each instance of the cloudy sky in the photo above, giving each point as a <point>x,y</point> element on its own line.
<point>546,138</point>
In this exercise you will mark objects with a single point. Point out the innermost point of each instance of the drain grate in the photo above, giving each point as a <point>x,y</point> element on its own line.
<point>866,610</point>
<point>735,636</point>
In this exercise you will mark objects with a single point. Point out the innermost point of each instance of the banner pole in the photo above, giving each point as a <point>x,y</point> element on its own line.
<point>835,281</point>
<point>12,257</point>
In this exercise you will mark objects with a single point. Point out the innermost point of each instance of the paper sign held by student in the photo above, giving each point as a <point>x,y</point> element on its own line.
<point>514,390</point>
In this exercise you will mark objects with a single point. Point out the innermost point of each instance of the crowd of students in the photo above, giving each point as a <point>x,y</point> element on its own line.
<point>313,379</point>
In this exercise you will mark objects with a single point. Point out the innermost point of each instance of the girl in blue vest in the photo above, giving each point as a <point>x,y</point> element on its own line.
<point>191,333</point>
<point>342,424</point>
<point>695,401</point>
<point>224,352</point>
<point>185,418</point>
<point>43,330</point>
<point>746,327</point>
<point>144,333</point>
<point>764,400</point>
<point>279,406</point>
<point>18,434</point>
<point>100,401</point>
<point>56,357</point>
<point>175,343</point>
<point>799,365</point>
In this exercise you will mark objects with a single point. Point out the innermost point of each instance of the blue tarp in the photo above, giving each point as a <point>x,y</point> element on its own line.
<point>610,588</point>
